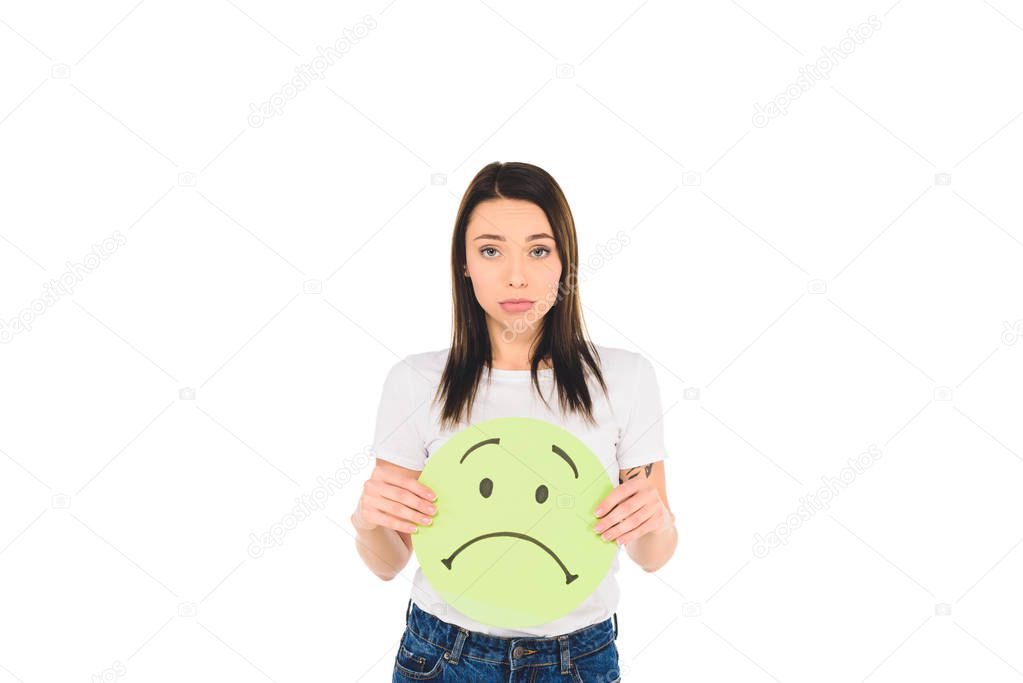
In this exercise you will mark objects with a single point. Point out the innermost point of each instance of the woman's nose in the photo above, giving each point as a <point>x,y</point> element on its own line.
<point>516,276</point>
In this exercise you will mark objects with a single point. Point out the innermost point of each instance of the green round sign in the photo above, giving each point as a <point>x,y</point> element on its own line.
<point>512,542</point>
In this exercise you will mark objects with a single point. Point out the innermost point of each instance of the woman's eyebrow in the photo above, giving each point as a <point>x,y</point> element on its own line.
<point>500,238</point>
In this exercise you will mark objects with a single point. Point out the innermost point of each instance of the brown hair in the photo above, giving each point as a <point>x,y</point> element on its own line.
<point>562,337</point>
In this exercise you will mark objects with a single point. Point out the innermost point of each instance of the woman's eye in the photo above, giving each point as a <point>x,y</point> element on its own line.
<point>537,252</point>
<point>541,493</point>
<point>486,487</point>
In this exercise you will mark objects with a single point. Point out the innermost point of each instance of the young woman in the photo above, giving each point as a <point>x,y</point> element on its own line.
<point>517,340</point>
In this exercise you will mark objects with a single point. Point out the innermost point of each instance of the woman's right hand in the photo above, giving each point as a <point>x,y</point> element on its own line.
<point>394,498</point>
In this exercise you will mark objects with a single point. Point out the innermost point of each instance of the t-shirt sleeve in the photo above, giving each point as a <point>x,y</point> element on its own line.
<point>642,436</point>
<point>396,437</point>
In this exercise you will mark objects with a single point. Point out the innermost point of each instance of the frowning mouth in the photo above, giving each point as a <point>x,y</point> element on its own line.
<point>569,577</point>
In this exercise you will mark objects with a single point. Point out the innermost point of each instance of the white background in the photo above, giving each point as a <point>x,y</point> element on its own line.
<point>806,289</point>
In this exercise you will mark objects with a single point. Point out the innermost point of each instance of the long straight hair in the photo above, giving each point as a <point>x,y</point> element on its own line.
<point>562,337</point>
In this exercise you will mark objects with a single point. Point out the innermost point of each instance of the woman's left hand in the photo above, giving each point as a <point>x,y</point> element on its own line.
<point>633,509</point>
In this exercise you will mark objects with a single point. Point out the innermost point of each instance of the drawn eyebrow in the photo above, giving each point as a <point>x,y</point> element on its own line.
<point>567,459</point>
<point>485,442</point>
<point>496,440</point>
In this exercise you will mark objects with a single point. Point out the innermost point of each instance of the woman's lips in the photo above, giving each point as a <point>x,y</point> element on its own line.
<point>516,306</point>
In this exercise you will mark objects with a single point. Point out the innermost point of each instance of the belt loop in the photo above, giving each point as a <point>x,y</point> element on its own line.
<point>456,651</point>
<point>615,616</point>
<point>566,660</point>
<point>408,610</point>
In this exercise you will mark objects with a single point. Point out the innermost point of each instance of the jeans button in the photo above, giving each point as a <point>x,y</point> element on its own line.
<point>517,652</point>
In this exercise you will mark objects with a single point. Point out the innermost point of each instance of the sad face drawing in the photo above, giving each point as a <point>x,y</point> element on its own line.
<point>512,542</point>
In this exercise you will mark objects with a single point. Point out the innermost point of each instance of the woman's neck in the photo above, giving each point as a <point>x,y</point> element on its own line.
<point>513,355</point>
<point>506,365</point>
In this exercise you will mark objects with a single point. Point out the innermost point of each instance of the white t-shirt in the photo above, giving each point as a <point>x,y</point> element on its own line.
<point>629,433</point>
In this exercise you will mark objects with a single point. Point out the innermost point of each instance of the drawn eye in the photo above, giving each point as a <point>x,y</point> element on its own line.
<point>541,493</point>
<point>486,487</point>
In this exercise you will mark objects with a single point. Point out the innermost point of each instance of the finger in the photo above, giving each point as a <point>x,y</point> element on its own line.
<point>643,529</point>
<point>407,498</point>
<point>382,519</point>
<point>400,511</point>
<point>618,494</point>
<point>410,483</point>
<point>626,525</point>
<point>620,512</point>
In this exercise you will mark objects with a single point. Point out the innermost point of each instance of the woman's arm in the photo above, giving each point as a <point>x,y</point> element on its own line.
<point>384,549</point>
<point>636,514</point>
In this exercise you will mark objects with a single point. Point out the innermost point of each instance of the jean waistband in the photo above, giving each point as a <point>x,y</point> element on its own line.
<point>517,652</point>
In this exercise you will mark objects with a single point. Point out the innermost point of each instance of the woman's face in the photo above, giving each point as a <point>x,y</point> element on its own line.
<point>510,254</point>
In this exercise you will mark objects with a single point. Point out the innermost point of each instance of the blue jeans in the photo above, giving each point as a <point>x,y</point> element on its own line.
<point>434,650</point>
